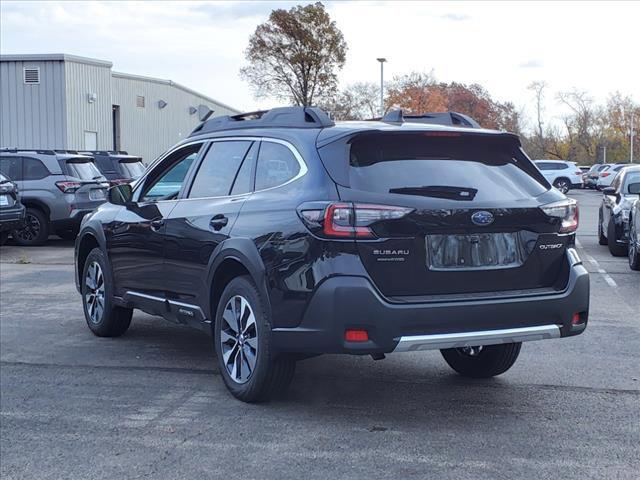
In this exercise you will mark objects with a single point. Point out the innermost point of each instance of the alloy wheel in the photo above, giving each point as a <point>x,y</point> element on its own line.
<point>239,339</point>
<point>562,185</point>
<point>31,228</point>
<point>94,293</point>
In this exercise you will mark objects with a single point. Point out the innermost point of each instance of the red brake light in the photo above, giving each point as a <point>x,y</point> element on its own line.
<point>605,174</point>
<point>68,187</point>
<point>356,336</point>
<point>568,211</point>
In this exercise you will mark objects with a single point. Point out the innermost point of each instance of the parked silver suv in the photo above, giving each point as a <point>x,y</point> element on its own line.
<point>58,188</point>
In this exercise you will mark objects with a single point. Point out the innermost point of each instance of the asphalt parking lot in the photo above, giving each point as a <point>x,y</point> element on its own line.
<point>151,404</point>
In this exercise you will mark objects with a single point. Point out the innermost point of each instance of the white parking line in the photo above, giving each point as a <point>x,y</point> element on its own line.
<point>607,278</point>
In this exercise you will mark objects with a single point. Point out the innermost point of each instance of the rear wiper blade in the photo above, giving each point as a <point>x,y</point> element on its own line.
<point>438,191</point>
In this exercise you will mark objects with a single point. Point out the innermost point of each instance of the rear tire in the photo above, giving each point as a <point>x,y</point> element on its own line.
<point>250,368</point>
<point>482,362</point>
<point>103,318</point>
<point>602,240</point>
<point>616,249</point>
<point>36,229</point>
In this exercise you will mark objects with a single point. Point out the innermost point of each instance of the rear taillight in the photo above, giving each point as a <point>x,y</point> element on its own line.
<point>68,187</point>
<point>350,220</point>
<point>119,181</point>
<point>567,211</point>
<point>605,174</point>
<point>578,172</point>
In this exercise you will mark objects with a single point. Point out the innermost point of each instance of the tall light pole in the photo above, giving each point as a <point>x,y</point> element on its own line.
<point>381,60</point>
<point>631,151</point>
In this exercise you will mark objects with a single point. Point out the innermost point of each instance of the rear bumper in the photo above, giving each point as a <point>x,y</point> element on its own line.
<point>12,218</point>
<point>346,302</point>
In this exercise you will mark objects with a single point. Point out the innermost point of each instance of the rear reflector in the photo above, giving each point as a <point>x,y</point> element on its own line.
<point>356,336</point>
<point>577,319</point>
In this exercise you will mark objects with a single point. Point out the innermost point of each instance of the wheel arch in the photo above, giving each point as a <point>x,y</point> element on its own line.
<point>34,203</point>
<point>234,257</point>
<point>87,240</point>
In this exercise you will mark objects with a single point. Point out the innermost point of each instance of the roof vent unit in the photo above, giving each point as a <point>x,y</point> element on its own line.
<point>31,76</point>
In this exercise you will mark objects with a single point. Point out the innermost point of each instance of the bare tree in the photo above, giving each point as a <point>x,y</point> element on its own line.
<point>358,101</point>
<point>295,54</point>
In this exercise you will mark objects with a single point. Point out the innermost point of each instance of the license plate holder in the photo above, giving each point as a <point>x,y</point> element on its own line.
<point>474,251</point>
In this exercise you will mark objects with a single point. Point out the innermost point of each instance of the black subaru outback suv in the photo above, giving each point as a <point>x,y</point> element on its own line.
<point>286,235</point>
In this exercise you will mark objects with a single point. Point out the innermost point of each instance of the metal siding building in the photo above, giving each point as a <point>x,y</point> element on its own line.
<point>79,103</point>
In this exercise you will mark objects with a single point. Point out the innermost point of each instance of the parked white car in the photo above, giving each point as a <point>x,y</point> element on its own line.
<point>605,179</point>
<point>561,174</point>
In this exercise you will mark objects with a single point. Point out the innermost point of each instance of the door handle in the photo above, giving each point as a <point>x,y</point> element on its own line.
<point>219,221</point>
<point>157,224</point>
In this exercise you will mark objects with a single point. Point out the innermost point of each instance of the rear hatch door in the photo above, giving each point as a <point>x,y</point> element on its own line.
<point>85,180</point>
<point>475,224</point>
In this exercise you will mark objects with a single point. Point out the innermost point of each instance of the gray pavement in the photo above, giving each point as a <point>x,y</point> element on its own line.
<point>151,404</point>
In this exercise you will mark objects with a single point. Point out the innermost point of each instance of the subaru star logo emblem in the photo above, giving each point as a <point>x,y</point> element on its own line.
<point>482,218</point>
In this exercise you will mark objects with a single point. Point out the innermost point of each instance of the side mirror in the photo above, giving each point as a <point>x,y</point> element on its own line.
<point>120,194</point>
<point>634,188</point>
<point>609,191</point>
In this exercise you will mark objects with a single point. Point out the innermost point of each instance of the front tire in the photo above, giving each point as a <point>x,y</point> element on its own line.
<point>602,240</point>
<point>35,231</point>
<point>482,362</point>
<point>103,317</point>
<point>615,249</point>
<point>634,254</point>
<point>250,368</point>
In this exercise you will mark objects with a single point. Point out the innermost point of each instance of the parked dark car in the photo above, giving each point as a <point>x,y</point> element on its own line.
<point>634,235</point>
<point>57,187</point>
<point>11,210</point>
<point>613,216</point>
<point>117,167</point>
<point>286,235</point>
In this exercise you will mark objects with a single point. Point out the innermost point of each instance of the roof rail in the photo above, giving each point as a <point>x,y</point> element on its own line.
<point>284,117</point>
<point>437,118</point>
<point>104,152</point>
<point>40,151</point>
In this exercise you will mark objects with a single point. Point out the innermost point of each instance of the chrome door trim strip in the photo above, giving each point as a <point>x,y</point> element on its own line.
<point>174,303</point>
<point>414,343</point>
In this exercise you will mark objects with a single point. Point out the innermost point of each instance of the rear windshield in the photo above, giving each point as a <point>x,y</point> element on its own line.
<point>83,169</point>
<point>463,167</point>
<point>132,169</point>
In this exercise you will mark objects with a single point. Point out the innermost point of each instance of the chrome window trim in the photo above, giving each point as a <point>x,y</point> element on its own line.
<point>303,166</point>
<point>415,343</point>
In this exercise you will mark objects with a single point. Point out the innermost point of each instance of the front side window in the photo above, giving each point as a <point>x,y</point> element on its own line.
<point>276,165</point>
<point>219,168</point>
<point>165,182</point>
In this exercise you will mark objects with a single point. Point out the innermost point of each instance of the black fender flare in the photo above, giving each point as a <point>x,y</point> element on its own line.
<point>245,252</point>
<point>98,235</point>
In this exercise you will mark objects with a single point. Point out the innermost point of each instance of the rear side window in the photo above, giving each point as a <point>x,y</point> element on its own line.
<point>464,167</point>
<point>23,168</point>
<point>276,165</point>
<point>218,169</point>
<point>244,180</point>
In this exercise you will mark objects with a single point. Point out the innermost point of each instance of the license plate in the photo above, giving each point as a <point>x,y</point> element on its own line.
<point>482,251</point>
<point>97,194</point>
<point>4,200</point>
